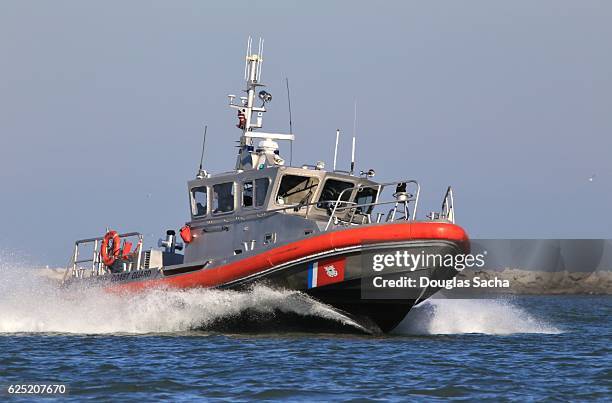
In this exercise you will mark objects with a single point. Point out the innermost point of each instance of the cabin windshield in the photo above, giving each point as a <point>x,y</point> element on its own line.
<point>295,189</point>
<point>331,191</point>
<point>247,194</point>
<point>261,191</point>
<point>365,196</point>
<point>199,201</point>
<point>254,192</point>
<point>223,198</point>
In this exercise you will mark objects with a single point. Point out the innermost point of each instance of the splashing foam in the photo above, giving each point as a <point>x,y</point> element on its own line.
<point>31,302</point>
<point>459,316</point>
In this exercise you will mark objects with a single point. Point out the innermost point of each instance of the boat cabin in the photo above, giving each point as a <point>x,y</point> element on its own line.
<point>296,191</point>
<point>240,211</point>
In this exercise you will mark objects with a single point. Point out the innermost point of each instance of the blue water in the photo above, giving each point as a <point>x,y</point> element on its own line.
<point>523,348</point>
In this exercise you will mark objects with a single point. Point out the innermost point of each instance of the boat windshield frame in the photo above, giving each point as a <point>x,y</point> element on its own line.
<point>238,178</point>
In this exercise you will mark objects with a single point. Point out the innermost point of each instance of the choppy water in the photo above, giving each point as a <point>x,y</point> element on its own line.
<point>146,348</point>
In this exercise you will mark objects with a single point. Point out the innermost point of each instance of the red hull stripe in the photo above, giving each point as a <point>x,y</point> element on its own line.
<point>325,242</point>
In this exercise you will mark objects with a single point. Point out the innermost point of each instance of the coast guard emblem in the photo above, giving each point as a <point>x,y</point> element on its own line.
<point>331,271</point>
<point>327,271</point>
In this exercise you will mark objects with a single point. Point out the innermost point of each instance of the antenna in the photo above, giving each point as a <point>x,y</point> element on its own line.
<point>250,116</point>
<point>260,54</point>
<point>248,53</point>
<point>202,173</point>
<point>290,122</point>
<point>354,135</point>
<point>289,103</point>
<point>336,147</point>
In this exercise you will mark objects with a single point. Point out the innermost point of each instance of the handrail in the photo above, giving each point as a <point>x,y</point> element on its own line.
<point>379,188</point>
<point>97,266</point>
<point>262,212</point>
<point>126,235</point>
<point>448,205</point>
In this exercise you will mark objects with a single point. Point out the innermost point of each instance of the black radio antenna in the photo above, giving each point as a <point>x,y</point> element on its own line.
<point>289,103</point>
<point>290,122</point>
<point>201,172</point>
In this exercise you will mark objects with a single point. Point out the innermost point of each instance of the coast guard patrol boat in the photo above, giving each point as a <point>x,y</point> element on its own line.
<point>301,228</point>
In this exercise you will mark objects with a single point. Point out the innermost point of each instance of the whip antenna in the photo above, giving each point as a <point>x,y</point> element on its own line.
<point>202,173</point>
<point>336,147</point>
<point>290,122</point>
<point>289,103</point>
<point>354,135</point>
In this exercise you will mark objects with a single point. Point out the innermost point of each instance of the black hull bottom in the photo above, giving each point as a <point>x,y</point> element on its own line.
<point>254,322</point>
<point>385,314</point>
<point>353,313</point>
<point>347,313</point>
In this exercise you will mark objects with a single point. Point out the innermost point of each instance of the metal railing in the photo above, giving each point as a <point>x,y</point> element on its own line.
<point>96,266</point>
<point>402,197</point>
<point>448,206</point>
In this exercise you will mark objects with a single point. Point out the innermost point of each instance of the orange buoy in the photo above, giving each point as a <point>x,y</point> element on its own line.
<point>125,251</point>
<point>186,234</point>
<point>109,251</point>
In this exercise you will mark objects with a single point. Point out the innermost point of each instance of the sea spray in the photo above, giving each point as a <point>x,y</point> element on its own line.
<point>459,316</point>
<point>30,302</point>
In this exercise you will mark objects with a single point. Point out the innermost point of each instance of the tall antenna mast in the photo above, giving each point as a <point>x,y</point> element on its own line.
<point>336,147</point>
<point>202,173</point>
<point>354,135</point>
<point>265,152</point>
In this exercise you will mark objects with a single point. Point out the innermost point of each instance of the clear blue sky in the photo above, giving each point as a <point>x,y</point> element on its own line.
<point>102,106</point>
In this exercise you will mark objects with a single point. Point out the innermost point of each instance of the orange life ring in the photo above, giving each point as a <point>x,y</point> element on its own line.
<point>109,256</point>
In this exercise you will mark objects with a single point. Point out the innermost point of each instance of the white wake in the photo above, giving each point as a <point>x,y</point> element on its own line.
<point>31,302</point>
<point>459,316</point>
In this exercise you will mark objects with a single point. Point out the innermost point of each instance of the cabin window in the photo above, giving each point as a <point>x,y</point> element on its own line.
<point>332,190</point>
<point>223,198</point>
<point>199,201</point>
<point>365,196</point>
<point>261,191</point>
<point>295,189</point>
<point>247,194</point>
<point>269,238</point>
